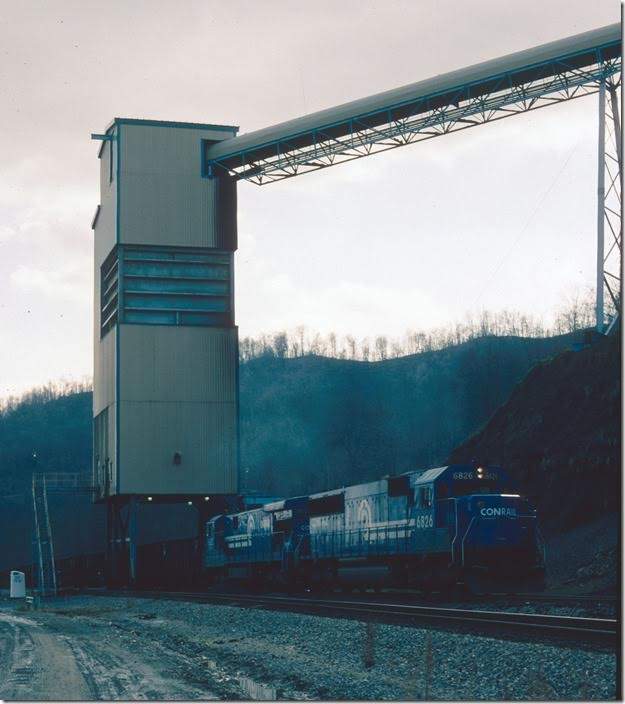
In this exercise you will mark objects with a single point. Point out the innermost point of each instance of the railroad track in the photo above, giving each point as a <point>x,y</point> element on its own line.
<point>504,598</point>
<point>554,598</point>
<point>598,632</point>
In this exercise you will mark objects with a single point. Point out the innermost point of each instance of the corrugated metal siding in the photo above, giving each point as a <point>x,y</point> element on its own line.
<point>105,234</point>
<point>178,394</point>
<point>220,211</point>
<point>104,241</point>
<point>203,433</point>
<point>164,199</point>
<point>104,371</point>
<point>104,451</point>
<point>170,363</point>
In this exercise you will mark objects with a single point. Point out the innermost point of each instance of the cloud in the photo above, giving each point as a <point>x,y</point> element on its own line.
<point>68,284</point>
<point>376,245</point>
<point>6,233</point>
<point>348,307</point>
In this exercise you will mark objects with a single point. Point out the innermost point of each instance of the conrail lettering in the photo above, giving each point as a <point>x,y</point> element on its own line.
<point>495,512</point>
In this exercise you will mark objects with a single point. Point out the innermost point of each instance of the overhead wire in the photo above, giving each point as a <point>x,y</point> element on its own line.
<point>525,225</point>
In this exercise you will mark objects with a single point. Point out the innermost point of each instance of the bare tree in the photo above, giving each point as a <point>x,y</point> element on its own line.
<point>318,345</point>
<point>381,347</point>
<point>351,347</point>
<point>300,330</point>
<point>332,343</point>
<point>576,313</point>
<point>281,344</point>
<point>396,349</point>
<point>365,350</point>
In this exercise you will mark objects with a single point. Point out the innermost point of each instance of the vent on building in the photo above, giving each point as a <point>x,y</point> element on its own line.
<point>109,293</point>
<point>167,286</point>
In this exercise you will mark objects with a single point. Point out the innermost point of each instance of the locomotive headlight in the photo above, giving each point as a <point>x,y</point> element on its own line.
<point>480,473</point>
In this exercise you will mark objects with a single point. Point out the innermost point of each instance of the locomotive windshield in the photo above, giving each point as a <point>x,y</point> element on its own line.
<point>474,487</point>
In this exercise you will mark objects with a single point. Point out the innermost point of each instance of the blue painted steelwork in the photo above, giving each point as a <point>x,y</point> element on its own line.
<point>117,131</point>
<point>169,123</point>
<point>422,116</point>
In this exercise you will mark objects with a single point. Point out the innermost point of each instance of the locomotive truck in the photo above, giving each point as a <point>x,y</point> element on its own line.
<point>430,530</point>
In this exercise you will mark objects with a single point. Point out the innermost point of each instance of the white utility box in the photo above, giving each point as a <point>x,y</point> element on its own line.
<point>18,585</point>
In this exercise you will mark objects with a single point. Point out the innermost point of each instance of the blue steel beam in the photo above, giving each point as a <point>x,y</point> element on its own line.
<point>467,104</point>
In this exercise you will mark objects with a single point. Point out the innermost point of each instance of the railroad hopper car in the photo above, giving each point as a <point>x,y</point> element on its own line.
<point>429,530</point>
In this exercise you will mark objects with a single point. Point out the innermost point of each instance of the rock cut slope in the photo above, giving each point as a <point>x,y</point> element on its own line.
<point>559,434</point>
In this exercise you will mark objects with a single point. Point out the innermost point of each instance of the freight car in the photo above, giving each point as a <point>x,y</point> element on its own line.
<point>429,530</point>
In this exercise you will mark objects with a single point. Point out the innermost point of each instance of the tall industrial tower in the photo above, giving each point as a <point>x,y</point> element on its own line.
<point>165,401</point>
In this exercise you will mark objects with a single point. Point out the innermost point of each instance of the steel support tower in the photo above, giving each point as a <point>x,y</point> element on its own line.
<point>609,208</point>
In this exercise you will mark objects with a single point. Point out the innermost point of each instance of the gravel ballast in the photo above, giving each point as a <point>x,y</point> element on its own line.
<point>231,652</point>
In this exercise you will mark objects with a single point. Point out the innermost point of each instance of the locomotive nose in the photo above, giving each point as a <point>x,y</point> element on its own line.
<point>502,531</point>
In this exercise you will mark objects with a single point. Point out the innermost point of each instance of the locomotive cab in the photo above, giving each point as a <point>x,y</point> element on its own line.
<point>495,541</point>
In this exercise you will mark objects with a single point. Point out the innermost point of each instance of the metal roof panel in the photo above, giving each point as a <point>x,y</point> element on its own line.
<point>534,57</point>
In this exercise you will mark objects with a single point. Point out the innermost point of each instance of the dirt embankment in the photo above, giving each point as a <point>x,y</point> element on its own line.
<point>586,559</point>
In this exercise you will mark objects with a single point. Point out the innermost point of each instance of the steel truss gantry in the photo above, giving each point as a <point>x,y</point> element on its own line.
<point>553,83</point>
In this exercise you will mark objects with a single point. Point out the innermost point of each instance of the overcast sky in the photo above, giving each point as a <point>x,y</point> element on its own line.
<point>498,217</point>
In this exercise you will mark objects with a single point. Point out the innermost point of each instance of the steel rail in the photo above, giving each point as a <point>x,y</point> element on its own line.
<point>515,598</point>
<point>598,632</point>
<point>558,598</point>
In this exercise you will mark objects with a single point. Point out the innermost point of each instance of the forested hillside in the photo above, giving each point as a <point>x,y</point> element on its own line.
<point>312,423</point>
<point>307,423</point>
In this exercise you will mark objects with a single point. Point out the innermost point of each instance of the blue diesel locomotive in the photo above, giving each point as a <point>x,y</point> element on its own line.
<point>429,530</point>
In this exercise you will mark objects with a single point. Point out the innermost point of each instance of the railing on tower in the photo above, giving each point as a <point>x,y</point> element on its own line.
<point>42,485</point>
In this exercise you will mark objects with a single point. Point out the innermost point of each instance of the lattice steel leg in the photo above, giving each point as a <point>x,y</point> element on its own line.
<point>599,312</point>
<point>609,217</point>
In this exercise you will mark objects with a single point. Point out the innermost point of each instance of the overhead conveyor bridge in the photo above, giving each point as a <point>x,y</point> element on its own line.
<point>527,80</point>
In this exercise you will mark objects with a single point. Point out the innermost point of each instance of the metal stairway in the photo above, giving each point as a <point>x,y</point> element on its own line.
<point>44,547</point>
